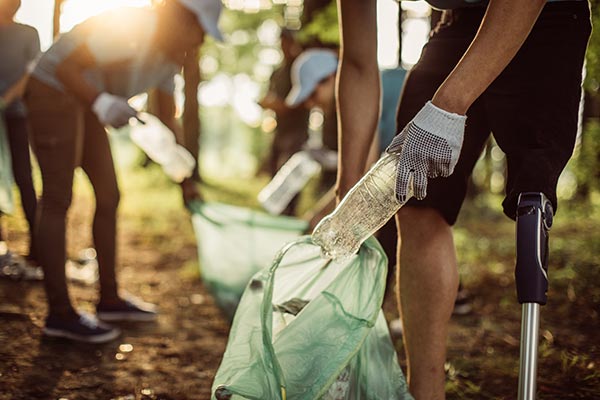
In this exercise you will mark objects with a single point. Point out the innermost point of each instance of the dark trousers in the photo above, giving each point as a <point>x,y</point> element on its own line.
<point>17,131</point>
<point>531,108</point>
<point>65,136</point>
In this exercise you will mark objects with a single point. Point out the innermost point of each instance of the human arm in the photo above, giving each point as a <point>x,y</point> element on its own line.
<point>70,73</point>
<point>111,110</point>
<point>503,30</point>
<point>17,89</point>
<point>14,92</point>
<point>273,102</point>
<point>357,89</point>
<point>166,113</point>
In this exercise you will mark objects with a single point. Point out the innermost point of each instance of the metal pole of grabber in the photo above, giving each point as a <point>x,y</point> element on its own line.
<point>534,219</point>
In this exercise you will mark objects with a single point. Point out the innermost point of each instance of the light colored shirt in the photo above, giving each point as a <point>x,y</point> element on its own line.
<point>121,42</point>
<point>19,46</point>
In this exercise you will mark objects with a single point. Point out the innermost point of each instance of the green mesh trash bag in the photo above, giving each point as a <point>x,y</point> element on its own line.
<point>234,243</point>
<point>310,328</point>
<point>6,176</point>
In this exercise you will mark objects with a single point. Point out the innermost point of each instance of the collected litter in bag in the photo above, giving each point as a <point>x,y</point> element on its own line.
<point>311,328</point>
<point>234,243</point>
<point>6,176</point>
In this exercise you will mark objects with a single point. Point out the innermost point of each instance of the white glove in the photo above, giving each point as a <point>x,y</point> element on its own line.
<point>429,146</point>
<point>113,110</point>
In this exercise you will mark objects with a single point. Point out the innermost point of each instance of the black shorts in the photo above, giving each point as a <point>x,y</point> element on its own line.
<point>532,108</point>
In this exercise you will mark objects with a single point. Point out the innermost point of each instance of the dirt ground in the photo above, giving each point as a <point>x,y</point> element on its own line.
<point>177,357</point>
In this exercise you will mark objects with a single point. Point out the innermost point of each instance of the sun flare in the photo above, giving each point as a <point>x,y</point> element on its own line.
<point>76,11</point>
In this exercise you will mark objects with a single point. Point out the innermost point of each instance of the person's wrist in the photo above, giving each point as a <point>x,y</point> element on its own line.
<point>451,103</point>
<point>439,121</point>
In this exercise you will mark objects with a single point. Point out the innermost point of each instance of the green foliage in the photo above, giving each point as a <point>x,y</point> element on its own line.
<point>586,163</point>
<point>592,81</point>
<point>323,27</point>
<point>241,54</point>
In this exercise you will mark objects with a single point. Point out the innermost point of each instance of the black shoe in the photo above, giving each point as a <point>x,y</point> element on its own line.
<point>131,309</point>
<point>85,329</point>
<point>17,268</point>
<point>462,304</point>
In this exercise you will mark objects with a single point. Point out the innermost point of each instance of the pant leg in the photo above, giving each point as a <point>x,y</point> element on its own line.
<point>97,162</point>
<point>56,130</point>
<point>18,132</point>
<point>533,106</point>
<point>446,46</point>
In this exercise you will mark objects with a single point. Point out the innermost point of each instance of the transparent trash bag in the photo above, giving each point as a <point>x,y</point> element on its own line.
<point>336,346</point>
<point>6,176</point>
<point>234,243</point>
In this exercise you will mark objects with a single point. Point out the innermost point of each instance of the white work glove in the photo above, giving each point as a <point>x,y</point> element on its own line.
<point>113,110</point>
<point>429,146</point>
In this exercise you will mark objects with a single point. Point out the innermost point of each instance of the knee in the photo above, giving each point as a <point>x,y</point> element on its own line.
<point>108,201</point>
<point>55,203</point>
<point>421,223</point>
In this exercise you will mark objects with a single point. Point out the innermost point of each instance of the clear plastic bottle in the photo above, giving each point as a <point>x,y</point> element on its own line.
<point>287,182</point>
<point>365,209</point>
<point>158,142</point>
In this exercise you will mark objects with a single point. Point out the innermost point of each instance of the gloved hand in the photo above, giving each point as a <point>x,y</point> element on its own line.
<point>429,147</point>
<point>113,110</point>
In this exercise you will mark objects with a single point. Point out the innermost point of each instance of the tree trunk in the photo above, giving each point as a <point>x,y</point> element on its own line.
<point>56,19</point>
<point>191,117</point>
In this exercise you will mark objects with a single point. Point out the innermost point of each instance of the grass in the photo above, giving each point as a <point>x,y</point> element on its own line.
<point>484,346</point>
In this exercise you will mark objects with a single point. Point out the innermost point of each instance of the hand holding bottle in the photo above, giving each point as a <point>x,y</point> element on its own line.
<point>113,110</point>
<point>429,147</point>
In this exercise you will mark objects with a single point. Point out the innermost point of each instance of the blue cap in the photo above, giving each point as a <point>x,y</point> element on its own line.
<point>207,12</point>
<point>308,70</point>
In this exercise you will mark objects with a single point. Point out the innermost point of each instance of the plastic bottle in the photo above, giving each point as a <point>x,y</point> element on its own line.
<point>158,142</point>
<point>365,209</point>
<point>287,182</point>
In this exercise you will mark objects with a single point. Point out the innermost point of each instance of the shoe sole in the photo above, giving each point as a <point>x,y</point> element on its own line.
<point>125,317</point>
<point>106,337</point>
<point>462,309</point>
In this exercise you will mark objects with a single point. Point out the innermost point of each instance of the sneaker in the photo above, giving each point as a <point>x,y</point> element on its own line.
<point>396,328</point>
<point>130,309</point>
<point>462,304</point>
<point>15,267</point>
<point>86,329</point>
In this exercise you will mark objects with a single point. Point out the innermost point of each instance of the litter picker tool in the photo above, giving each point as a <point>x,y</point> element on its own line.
<point>534,219</point>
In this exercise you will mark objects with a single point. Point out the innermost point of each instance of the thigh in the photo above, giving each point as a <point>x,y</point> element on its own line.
<point>97,162</point>
<point>18,131</point>
<point>533,106</point>
<point>445,48</point>
<point>56,122</point>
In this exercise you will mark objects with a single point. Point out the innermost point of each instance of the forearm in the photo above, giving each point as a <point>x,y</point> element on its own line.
<point>165,111</point>
<point>74,82</point>
<point>16,90</point>
<point>272,102</point>
<point>357,90</point>
<point>505,27</point>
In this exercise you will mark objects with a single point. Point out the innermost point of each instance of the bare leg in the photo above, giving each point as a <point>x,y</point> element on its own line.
<point>428,287</point>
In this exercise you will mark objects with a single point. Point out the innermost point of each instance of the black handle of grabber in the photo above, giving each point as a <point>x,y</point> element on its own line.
<point>534,219</point>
